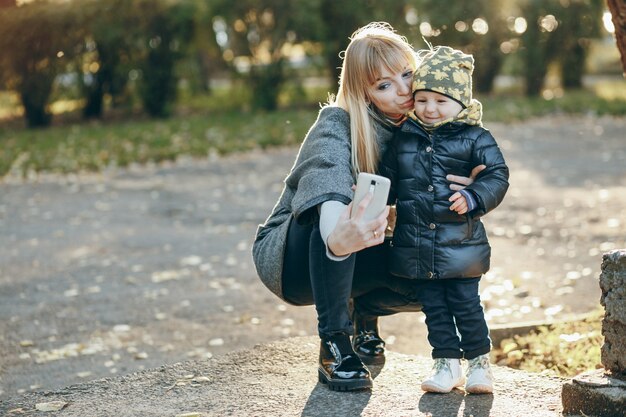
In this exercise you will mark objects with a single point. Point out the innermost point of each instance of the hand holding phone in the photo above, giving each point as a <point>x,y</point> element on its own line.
<point>379,187</point>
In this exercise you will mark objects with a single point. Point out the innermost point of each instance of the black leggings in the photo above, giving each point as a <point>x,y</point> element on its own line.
<point>310,277</point>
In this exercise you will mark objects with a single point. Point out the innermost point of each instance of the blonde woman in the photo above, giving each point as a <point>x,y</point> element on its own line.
<point>309,250</point>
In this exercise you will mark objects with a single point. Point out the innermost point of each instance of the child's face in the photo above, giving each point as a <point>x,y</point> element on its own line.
<point>431,107</point>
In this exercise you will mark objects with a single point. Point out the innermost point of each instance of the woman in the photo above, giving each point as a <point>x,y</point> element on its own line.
<point>309,250</point>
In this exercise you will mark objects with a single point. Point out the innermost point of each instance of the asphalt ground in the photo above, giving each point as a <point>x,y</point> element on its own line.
<point>107,274</point>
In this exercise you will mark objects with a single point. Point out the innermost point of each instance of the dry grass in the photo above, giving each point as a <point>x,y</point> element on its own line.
<point>564,349</point>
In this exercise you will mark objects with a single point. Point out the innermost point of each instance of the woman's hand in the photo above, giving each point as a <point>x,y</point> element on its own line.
<point>354,234</point>
<point>464,181</point>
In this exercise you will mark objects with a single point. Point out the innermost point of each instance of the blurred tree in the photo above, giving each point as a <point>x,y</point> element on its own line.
<point>338,20</point>
<point>255,36</point>
<point>538,44</point>
<point>618,12</point>
<point>478,28</point>
<point>206,51</point>
<point>578,22</point>
<point>558,31</point>
<point>112,27</point>
<point>37,41</point>
<point>5,4</point>
<point>166,29</point>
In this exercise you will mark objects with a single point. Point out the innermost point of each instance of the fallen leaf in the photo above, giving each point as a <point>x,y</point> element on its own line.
<point>71,292</point>
<point>50,406</point>
<point>170,275</point>
<point>192,260</point>
<point>216,342</point>
<point>121,328</point>
<point>551,311</point>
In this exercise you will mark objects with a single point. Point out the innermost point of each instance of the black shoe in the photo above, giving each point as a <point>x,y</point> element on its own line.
<point>366,341</point>
<point>340,368</point>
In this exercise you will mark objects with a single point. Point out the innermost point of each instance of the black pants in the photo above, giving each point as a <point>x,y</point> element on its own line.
<point>310,277</point>
<point>451,304</point>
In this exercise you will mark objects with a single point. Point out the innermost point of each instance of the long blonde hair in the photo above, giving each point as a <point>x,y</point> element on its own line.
<point>372,48</point>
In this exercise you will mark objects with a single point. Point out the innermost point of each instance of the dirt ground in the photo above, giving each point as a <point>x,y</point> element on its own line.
<point>105,274</point>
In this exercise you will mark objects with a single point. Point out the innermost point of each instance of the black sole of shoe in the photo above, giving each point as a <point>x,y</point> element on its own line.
<point>342,385</point>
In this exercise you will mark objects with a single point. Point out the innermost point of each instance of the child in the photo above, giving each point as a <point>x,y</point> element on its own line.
<point>439,239</point>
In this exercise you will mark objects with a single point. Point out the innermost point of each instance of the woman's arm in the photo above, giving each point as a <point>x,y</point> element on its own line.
<point>330,211</point>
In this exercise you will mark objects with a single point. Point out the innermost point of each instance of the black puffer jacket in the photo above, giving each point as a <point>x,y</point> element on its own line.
<point>430,241</point>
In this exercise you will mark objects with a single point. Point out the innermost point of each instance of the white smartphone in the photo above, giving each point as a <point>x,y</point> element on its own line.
<point>379,186</point>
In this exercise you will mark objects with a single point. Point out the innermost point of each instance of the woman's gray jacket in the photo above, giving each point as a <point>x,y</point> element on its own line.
<point>322,171</point>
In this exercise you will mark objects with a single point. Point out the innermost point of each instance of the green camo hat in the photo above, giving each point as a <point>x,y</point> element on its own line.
<point>447,71</point>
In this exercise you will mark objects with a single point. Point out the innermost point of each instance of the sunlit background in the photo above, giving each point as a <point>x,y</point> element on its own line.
<point>90,86</point>
<point>94,56</point>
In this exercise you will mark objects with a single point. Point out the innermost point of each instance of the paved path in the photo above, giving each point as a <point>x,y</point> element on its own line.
<point>280,379</point>
<point>102,275</point>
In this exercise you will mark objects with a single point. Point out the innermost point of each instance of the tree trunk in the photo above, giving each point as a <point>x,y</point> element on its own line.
<point>34,90</point>
<point>573,66</point>
<point>618,11</point>
<point>488,64</point>
<point>95,100</point>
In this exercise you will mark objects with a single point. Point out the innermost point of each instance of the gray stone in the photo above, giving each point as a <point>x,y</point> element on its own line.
<point>603,392</point>
<point>613,285</point>
<point>280,379</point>
<point>594,393</point>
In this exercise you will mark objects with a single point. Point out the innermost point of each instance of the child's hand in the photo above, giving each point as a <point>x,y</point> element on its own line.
<point>458,203</point>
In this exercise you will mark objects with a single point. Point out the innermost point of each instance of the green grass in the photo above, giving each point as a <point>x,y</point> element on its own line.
<point>221,123</point>
<point>517,108</point>
<point>94,146</point>
<point>564,349</point>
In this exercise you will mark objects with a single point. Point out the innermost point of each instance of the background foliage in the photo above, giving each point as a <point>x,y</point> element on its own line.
<point>136,55</point>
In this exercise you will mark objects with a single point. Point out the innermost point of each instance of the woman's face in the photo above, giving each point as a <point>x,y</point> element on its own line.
<point>391,92</point>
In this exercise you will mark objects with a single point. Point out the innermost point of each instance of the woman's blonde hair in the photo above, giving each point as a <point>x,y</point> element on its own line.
<point>372,48</point>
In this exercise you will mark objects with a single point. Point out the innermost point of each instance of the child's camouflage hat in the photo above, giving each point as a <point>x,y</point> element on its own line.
<point>447,71</point>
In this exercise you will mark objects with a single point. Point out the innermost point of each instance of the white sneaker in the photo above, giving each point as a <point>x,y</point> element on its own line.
<point>479,376</point>
<point>447,375</point>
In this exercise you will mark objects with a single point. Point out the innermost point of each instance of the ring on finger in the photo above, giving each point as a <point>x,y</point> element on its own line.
<point>375,234</point>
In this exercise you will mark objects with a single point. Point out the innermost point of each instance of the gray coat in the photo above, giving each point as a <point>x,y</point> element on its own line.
<point>322,171</point>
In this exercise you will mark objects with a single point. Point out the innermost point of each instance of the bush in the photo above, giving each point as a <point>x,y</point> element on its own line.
<point>37,41</point>
<point>101,42</point>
